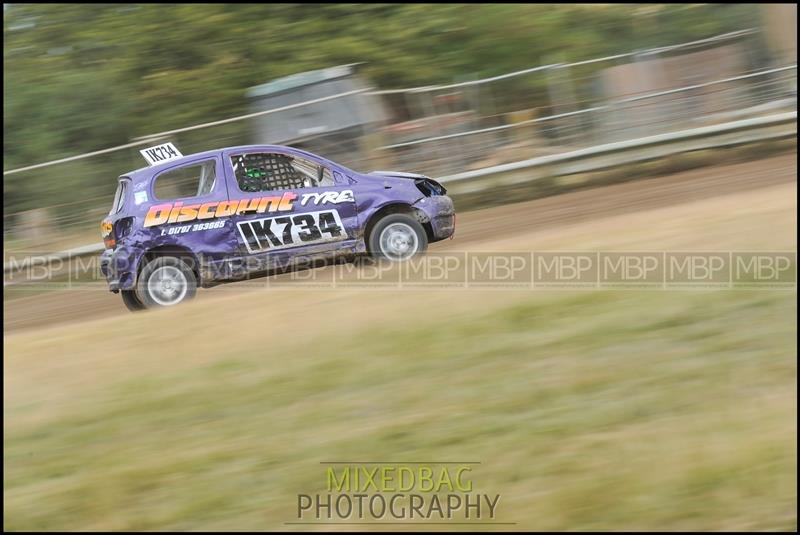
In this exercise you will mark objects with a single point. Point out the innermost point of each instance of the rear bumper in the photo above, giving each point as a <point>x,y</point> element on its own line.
<point>441,214</point>
<point>118,266</point>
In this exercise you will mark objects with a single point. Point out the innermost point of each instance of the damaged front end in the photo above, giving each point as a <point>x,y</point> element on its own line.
<point>426,185</point>
<point>441,215</point>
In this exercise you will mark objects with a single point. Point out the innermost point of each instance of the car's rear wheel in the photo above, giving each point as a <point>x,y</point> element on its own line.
<point>166,281</point>
<point>397,237</point>
<point>132,300</point>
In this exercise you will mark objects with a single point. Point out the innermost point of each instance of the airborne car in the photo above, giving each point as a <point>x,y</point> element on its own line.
<point>224,215</point>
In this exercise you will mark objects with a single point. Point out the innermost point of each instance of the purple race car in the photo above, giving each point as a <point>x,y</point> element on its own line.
<point>242,212</point>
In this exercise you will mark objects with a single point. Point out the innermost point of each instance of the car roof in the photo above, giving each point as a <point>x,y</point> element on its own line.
<point>149,170</point>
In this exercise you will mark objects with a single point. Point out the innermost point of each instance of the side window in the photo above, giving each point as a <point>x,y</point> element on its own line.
<point>318,175</point>
<point>189,181</point>
<point>274,172</point>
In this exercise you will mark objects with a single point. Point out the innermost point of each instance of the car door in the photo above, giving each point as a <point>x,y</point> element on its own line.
<point>290,205</point>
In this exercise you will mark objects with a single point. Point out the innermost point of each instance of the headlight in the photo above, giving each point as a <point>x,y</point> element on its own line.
<point>429,187</point>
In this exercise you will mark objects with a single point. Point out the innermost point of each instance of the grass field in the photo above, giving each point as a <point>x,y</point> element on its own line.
<point>593,410</point>
<point>587,411</point>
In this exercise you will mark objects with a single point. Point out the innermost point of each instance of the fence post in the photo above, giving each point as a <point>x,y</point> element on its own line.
<point>563,100</point>
<point>35,225</point>
<point>644,114</point>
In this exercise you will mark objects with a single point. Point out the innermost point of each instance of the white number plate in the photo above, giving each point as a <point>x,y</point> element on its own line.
<point>160,153</point>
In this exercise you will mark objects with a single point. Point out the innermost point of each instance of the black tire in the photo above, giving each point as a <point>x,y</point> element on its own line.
<point>377,247</point>
<point>153,295</point>
<point>132,300</point>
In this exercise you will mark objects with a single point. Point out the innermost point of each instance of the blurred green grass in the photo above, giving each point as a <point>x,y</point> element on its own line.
<point>588,411</point>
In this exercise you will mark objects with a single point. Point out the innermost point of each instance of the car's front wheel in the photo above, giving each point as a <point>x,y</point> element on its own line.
<point>397,237</point>
<point>166,281</point>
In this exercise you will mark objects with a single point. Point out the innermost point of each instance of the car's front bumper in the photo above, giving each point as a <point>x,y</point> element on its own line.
<point>441,214</point>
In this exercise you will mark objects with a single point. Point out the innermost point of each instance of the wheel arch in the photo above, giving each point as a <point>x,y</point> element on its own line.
<point>178,251</point>
<point>398,208</point>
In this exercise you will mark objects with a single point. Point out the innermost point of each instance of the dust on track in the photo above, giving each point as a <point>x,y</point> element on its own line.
<point>77,305</point>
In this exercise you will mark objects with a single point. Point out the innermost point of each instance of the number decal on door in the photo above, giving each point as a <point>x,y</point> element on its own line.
<point>274,233</point>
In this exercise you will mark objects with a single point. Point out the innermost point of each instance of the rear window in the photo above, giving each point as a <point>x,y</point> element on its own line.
<point>189,181</point>
<point>119,196</point>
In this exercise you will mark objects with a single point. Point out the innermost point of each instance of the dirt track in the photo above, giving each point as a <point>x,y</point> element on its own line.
<point>484,225</point>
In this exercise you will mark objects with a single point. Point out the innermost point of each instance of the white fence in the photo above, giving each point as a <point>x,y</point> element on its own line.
<point>777,126</point>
